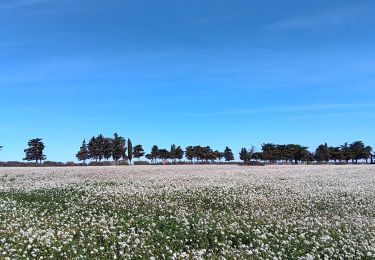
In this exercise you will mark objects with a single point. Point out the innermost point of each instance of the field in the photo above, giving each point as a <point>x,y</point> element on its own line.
<point>188,212</point>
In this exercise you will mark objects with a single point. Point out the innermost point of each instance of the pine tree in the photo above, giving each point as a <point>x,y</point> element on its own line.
<point>190,153</point>
<point>244,155</point>
<point>83,153</point>
<point>118,147</point>
<point>322,153</point>
<point>154,153</point>
<point>173,153</point>
<point>138,151</point>
<point>100,143</point>
<point>228,154</point>
<point>179,153</point>
<point>219,155</point>
<point>35,151</point>
<point>359,151</point>
<point>164,154</point>
<point>130,150</point>
<point>107,148</point>
<point>93,149</point>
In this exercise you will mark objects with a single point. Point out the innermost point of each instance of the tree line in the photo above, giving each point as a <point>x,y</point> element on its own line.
<point>118,148</point>
<point>294,153</point>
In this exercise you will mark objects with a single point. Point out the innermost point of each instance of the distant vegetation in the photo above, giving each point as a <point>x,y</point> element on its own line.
<point>102,150</point>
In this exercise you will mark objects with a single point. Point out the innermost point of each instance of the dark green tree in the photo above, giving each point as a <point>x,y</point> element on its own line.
<point>244,155</point>
<point>100,143</point>
<point>336,154</point>
<point>359,151</point>
<point>173,153</point>
<point>118,147</point>
<point>228,154</point>
<point>93,149</point>
<point>149,157</point>
<point>179,153</point>
<point>190,153</point>
<point>258,156</point>
<point>218,155</point>
<point>83,153</point>
<point>154,153</point>
<point>206,154</point>
<point>138,151</point>
<point>296,152</point>
<point>107,148</point>
<point>322,153</point>
<point>130,151</point>
<point>346,152</point>
<point>164,154</point>
<point>368,150</point>
<point>309,157</point>
<point>35,151</point>
<point>271,152</point>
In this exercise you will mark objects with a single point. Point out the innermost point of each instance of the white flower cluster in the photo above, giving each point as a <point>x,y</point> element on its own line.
<point>188,212</point>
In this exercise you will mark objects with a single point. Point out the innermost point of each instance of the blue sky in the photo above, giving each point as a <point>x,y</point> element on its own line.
<point>213,73</point>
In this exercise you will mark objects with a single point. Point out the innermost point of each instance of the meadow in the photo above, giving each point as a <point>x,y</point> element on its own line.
<point>188,212</point>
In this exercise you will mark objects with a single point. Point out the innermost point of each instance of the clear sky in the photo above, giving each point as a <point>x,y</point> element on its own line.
<point>210,72</point>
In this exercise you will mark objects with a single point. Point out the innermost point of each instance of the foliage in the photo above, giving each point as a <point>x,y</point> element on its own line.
<point>138,151</point>
<point>35,151</point>
<point>118,148</point>
<point>83,154</point>
<point>130,150</point>
<point>228,154</point>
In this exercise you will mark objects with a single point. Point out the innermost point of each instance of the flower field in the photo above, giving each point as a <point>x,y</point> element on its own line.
<point>188,212</point>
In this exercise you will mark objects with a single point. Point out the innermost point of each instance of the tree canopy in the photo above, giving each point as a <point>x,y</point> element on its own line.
<point>35,151</point>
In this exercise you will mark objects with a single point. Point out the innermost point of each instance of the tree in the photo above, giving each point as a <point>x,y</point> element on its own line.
<point>368,150</point>
<point>149,157</point>
<point>179,153</point>
<point>164,154</point>
<point>206,153</point>
<point>346,152</point>
<point>83,153</point>
<point>359,151</point>
<point>190,153</point>
<point>251,152</point>
<point>173,153</point>
<point>228,154</point>
<point>271,152</point>
<point>258,156</point>
<point>244,155</point>
<point>154,155</point>
<point>336,153</point>
<point>93,149</point>
<point>107,148</point>
<point>98,148</point>
<point>309,157</point>
<point>118,147</point>
<point>218,155</point>
<point>322,153</point>
<point>130,150</point>
<point>138,151</point>
<point>35,151</point>
<point>296,152</point>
